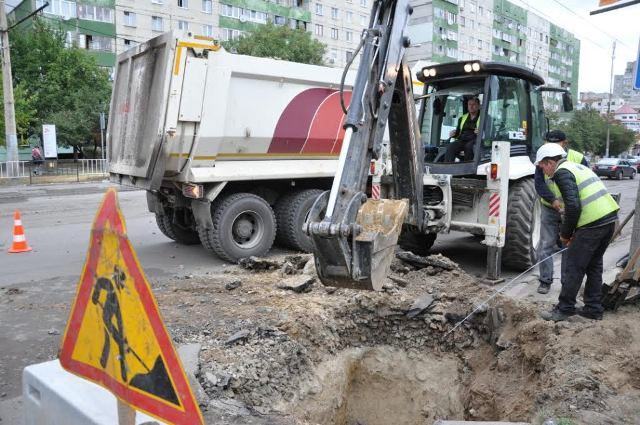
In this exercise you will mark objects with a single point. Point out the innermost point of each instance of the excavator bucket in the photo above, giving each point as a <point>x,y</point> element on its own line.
<point>379,223</point>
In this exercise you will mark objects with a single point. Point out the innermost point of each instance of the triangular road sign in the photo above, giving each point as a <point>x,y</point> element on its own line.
<point>115,336</point>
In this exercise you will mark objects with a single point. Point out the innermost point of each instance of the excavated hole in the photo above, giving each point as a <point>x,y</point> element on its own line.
<point>383,385</point>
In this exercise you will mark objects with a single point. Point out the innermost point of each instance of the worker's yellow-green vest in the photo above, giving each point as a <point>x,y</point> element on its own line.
<point>464,119</point>
<point>572,156</point>
<point>595,200</point>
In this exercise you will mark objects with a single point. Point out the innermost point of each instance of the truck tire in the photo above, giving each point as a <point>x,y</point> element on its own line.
<point>523,226</point>
<point>243,225</point>
<point>418,243</point>
<point>291,213</point>
<point>174,231</point>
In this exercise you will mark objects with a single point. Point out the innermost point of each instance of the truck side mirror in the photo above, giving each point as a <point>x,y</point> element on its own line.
<point>567,103</point>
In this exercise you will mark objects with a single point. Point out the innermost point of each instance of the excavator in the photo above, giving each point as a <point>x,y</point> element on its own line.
<point>356,226</point>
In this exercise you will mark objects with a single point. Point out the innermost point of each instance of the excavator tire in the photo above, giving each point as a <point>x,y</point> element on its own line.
<point>244,225</point>
<point>523,226</point>
<point>291,212</point>
<point>174,231</point>
<point>416,242</point>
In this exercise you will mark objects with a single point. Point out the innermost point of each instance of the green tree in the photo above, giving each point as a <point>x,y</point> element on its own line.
<point>279,42</point>
<point>587,132</point>
<point>66,86</point>
<point>25,112</point>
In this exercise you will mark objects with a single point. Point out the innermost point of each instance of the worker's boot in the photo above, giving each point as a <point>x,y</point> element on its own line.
<point>544,288</point>
<point>555,315</point>
<point>589,314</point>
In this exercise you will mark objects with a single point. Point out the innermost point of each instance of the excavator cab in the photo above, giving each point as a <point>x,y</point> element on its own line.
<point>510,110</point>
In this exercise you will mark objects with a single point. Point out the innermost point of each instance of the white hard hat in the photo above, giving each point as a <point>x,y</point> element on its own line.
<point>549,150</point>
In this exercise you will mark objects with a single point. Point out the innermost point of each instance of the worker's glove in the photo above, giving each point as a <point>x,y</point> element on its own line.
<point>566,242</point>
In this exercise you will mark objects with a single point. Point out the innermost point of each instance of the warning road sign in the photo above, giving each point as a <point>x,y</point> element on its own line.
<point>115,336</point>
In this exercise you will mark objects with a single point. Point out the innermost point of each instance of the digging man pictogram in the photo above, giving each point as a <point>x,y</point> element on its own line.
<point>111,311</point>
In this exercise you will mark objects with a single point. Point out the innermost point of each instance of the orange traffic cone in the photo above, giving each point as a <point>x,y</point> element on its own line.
<point>19,240</point>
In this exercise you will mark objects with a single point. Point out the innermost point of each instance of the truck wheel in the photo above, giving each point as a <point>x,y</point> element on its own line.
<point>174,230</point>
<point>418,243</point>
<point>292,210</point>
<point>243,225</point>
<point>523,226</point>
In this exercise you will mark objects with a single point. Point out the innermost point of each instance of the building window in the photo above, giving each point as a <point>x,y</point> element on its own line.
<point>480,44</point>
<point>94,42</point>
<point>363,3</point>
<point>183,25</point>
<point>129,19</point>
<point>207,30</point>
<point>229,34</point>
<point>349,16</point>
<point>206,6</point>
<point>318,9</point>
<point>334,13</point>
<point>95,13</point>
<point>363,20</point>
<point>183,4</point>
<point>157,1</point>
<point>279,20</point>
<point>64,8</point>
<point>318,30</point>
<point>334,33</point>
<point>156,23</point>
<point>349,55</point>
<point>348,35</point>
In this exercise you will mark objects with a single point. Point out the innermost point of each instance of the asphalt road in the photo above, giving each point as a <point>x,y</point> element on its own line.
<point>57,221</point>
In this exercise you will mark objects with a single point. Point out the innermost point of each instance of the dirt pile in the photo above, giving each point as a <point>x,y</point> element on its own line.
<point>271,354</point>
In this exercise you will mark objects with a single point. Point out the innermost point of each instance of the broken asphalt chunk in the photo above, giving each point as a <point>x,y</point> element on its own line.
<point>238,336</point>
<point>298,284</point>
<point>420,305</point>
<point>259,264</point>
<point>422,262</point>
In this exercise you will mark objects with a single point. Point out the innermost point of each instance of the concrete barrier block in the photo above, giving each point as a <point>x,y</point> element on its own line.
<point>53,396</point>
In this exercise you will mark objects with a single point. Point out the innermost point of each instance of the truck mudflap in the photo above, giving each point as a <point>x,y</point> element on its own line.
<point>138,112</point>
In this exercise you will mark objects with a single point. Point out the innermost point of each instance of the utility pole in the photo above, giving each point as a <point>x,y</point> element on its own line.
<point>635,233</point>
<point>613,55</point>
<point>7,86</point>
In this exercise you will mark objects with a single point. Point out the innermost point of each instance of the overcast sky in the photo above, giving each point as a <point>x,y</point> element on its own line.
<point>596,34</point>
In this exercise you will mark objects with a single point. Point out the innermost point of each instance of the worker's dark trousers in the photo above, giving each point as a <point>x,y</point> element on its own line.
<point>584,256</point>
<point>458,146</point>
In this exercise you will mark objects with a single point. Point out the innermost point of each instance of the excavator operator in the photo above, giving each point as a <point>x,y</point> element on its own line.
<point>466,132</point>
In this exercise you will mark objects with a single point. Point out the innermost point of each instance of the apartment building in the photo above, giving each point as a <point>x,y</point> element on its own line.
<point>88,24</point>
<point>623,86</point>
<point>497,30</point>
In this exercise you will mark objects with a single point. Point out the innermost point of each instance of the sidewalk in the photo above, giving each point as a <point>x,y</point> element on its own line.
<point>13,192</point>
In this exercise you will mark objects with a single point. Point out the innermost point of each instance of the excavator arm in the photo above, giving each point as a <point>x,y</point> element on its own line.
<point>354,237</point>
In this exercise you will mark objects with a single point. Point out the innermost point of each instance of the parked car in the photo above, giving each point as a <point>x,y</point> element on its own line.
<point>614,167</point>
<point>635,163</point>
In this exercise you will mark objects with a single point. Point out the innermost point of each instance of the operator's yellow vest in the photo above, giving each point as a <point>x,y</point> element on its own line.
<point>595,200</point>
<point>464,119</point>
<point>572,156</point>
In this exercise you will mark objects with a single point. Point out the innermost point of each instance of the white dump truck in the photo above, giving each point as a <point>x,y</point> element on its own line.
<point>232,150</point>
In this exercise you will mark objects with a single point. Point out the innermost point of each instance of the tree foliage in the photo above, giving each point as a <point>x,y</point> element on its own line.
<point>587,132</point>
<point>57,85</point>
<point>279,42</point>
<point>24,109</point>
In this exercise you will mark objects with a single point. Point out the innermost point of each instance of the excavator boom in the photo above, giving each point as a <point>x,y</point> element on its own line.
<point>354,237</point>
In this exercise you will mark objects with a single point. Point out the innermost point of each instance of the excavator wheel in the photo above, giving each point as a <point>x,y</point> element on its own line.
<point>523,226</point>
<point>418,243</point>
<point>174,230</point>
<point>292,210</point>
<point>244,225</point>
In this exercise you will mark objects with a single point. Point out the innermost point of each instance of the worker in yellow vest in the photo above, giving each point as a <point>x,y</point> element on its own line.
<point>466,133</point>
<point>589,219</point>
<point>550,215</point>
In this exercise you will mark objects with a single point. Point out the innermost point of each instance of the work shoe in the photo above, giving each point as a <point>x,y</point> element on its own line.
<point>555,315</point>
<point>589,314</point>
<point>544,288</point>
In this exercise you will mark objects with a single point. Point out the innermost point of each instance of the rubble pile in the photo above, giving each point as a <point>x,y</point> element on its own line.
<point>277,344</point>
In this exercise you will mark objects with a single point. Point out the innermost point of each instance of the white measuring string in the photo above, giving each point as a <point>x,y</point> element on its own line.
<point>505,286</point>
